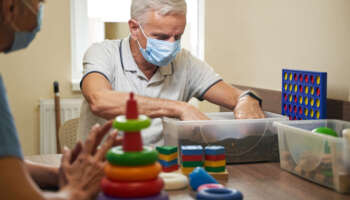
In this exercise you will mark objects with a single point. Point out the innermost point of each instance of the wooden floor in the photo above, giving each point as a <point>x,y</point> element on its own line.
<point>259,181</point>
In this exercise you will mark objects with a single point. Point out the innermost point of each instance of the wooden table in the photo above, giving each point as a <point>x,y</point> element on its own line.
<point>256,181</point>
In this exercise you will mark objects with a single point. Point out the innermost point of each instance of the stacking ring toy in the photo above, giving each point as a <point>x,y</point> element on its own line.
<point>132,189</point>
<point>219,194</point>
<point>133,173</point>
<point>174,181</point>
<point>160,196</point>
<point>211,185</point>
<point>131,125</point>
<point>116,156</point>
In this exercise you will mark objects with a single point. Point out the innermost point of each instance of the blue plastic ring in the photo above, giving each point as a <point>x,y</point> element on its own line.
<point>219,194</point>
<point>161,196</point>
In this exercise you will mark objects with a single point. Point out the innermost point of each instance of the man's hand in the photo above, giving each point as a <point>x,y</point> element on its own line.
<point>248,108</point>
<point>189,112</point>
<point>82,168</point>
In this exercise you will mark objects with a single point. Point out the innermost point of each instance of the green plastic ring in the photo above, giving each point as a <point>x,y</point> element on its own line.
<point>130,125</point>
<point>116,156</point>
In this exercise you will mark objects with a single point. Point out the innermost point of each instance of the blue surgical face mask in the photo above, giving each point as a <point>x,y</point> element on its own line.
<point>159,52</point>
<point>23,39</point>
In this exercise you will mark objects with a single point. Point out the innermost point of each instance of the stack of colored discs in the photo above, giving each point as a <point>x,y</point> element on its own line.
<point>215,159</point>
<point>191,157</point>
<point>167,157</point>
<point>132,170</point>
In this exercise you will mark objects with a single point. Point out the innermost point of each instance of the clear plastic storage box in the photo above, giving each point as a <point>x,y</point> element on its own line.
<point>247,140</point>
<point>319,158</point>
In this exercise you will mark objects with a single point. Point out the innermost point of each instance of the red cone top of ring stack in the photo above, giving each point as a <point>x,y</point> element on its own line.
<point>132,140</point>
<point>131,108</point>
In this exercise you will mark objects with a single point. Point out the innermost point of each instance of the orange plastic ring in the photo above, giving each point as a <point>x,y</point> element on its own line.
<point>132,173</point>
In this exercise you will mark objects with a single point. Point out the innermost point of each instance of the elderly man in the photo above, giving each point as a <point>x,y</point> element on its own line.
<point>151,63</point>
<point>82,168</point>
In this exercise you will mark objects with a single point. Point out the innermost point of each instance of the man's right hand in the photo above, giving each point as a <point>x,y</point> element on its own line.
<point>189,112</point>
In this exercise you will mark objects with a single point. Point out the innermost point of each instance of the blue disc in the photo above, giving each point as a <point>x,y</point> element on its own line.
<point>214,150</point>
<point>190,150</point>
<point>219,194</point>
<point>168,163</point>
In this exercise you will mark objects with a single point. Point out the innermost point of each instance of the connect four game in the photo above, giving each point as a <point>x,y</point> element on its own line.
<point>304,94</point>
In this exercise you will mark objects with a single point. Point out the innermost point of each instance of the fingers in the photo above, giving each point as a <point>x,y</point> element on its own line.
<point>101,152</point>
<point>118,141</point>
<point>76,151</point>
<point>90,141</point>
<point>101,133</point>
<point>66,157</point>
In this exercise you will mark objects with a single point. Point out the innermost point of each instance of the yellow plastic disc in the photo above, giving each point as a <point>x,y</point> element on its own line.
<point>290,98</point>
<point>312,113</point>
<point>306,112</point>
<point>286,87</point>
<point>318,80</point>
<point>290,87</point>
<point>167,158</point>
<point>285,76</point>
<point>318,114</point>
<point>306,100</point>
<point>290,76</point>
<point>295,88</point>
<point>187,170</point>
<point>219,163</point>
<point>306,89</point>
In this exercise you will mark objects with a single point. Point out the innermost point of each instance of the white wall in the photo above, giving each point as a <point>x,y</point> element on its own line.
<point>249,41</point>
<point>29,74</point>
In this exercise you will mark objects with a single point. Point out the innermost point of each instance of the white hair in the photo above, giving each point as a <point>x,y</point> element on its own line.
<point>139,8</point>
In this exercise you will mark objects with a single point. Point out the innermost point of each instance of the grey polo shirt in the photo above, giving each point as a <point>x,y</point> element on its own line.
<point>185,77</point>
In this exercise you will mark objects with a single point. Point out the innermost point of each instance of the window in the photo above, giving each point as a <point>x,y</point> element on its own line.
<point>97,20</point>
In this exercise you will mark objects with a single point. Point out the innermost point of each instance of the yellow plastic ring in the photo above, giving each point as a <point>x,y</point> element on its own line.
<point>134,173</point>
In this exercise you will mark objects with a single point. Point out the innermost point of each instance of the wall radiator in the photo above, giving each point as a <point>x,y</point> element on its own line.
<point>70,109</point>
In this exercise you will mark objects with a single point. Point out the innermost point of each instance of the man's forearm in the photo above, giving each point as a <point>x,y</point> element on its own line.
<point>43,175</point>
<point>223,94</point>
<point>108,104</point>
